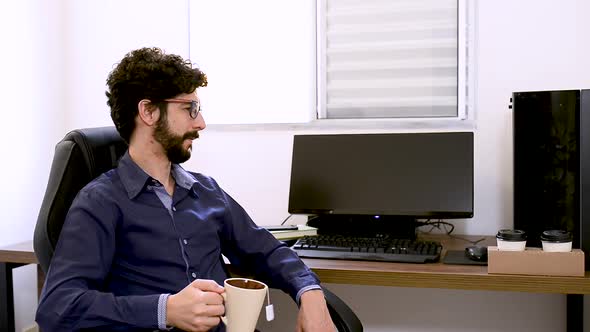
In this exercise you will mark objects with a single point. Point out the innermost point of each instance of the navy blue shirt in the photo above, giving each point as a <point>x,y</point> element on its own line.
<point>120,249</point>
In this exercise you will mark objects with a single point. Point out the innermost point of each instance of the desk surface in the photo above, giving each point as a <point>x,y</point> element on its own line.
<point>18,253</point>
<point>439,275</point>
<point>430,275</point>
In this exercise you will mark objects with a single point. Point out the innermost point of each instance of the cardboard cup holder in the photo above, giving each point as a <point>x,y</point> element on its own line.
<point>535,261</point>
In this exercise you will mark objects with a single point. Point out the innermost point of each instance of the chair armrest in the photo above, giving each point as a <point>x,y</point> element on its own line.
<point>342,316</point>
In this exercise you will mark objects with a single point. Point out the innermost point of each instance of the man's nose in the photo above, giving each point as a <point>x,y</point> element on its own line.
<point>199,123</point>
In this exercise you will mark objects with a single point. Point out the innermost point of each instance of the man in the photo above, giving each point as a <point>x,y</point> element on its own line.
<point>141,247</point>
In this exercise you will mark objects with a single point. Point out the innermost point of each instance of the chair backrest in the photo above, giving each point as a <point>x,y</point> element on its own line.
<point>80,156</point>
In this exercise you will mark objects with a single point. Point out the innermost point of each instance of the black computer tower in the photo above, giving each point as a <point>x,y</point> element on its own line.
<point>552,164</point>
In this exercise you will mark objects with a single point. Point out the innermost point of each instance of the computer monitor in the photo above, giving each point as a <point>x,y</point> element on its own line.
<point>404,175</point>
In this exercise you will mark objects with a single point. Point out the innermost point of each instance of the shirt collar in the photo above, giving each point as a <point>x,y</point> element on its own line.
<point>183,178</point>
<point>134,178</point>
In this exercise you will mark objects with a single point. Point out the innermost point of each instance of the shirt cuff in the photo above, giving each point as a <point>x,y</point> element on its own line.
<point>305,289</point>
<point>162,301</point>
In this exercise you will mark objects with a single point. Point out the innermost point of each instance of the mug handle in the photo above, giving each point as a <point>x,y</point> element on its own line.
<point>223,318</point>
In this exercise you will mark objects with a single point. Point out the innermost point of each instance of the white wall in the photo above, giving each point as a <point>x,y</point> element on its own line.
<point>99,34</point>
<point>32,110</point>
<point>523,45</point>
<point>266,61</point>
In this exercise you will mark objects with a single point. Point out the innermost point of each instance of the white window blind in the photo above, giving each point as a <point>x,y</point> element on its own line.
<point>388,59</point>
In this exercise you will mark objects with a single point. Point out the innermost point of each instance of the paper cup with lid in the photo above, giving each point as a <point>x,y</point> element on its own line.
<point>511,240</point>
<point>556,241</point>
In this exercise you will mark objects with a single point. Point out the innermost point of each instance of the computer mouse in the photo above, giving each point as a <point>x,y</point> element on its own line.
<point>477,253</point>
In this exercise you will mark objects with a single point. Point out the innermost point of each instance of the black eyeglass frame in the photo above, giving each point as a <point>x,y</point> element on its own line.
<point>195,105</point>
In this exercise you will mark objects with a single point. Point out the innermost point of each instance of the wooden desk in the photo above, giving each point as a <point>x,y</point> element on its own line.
<point>466,277</point>
<point>12,257</point>
<point>432,275</point>
<point>439,275</point>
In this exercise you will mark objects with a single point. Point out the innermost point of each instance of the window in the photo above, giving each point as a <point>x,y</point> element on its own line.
<point>392,59</point>
<point>319,62</point>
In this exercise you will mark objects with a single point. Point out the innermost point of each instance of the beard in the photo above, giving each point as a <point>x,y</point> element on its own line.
<point>172,143</point>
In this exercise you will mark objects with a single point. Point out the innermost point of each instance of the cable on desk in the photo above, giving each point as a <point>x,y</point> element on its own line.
<point>284,221</point>
<point>443,226</point>
<point>308,220</point>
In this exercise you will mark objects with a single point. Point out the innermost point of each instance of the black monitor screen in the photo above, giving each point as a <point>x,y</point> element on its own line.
<point>422,175</point>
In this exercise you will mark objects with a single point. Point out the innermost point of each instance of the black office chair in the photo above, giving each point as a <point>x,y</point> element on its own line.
<point>81,156</point>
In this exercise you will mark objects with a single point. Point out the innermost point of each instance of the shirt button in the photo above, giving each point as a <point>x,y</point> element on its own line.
<point>174,208</point>
<point>194,275</point>
<point>185,241</point>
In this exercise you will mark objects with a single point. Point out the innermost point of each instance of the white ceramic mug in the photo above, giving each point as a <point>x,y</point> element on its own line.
<point>243,301</point>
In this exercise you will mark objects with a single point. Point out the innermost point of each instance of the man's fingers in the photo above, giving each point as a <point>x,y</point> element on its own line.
<point>210,298</point>
<point>207,285</point>
<point>215,310</point>
<point>206,322</point>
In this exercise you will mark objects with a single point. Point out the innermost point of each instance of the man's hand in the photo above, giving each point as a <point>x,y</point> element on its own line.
<point>197,307</point>
<point>313,313</point>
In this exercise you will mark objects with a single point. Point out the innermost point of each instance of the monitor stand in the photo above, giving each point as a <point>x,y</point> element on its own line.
<point>364,225</point>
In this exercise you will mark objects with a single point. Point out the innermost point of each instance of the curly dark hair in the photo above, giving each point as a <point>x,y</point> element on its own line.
<point>148,73</point>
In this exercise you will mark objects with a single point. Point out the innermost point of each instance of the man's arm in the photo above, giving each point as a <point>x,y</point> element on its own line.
<point>255,249</point>
<point>72,298</point>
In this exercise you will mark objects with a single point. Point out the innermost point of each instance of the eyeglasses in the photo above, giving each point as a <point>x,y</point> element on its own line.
<point>195,106</point>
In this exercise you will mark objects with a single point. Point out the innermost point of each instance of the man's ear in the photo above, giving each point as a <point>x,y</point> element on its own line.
<point>148,112</point>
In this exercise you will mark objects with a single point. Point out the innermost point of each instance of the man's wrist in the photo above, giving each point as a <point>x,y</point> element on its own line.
<point>304,290</point>
<point>312,296</point>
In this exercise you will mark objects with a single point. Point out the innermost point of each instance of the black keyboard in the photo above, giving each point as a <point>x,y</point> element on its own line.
<point>379,248</point>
